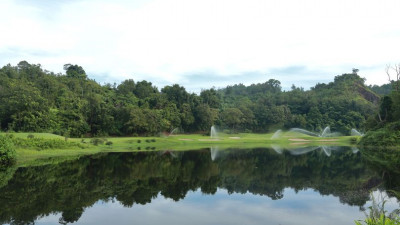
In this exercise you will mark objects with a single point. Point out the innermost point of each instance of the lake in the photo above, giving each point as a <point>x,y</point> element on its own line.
<point>309,185</point>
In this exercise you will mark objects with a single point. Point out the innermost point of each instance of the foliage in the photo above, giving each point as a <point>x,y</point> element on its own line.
<point>72,105</point>
<point>384,125</point>
<point>44,143</point>
<point>384,89</point>
<point>7,151</point>
<point>383,137</point>
<point>97,141</point>
<point>381,220</point>
<point>378,215</point>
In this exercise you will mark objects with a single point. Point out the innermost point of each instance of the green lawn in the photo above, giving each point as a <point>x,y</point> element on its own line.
<point>179,142</point>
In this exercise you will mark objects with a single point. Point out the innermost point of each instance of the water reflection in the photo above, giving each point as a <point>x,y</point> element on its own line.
<point>326,149</point>
<point>133,179</point>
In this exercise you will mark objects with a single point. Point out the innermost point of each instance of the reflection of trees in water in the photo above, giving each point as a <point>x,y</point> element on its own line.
<point>137,178</point>
<point>386,163</point>
<point>267,173</point>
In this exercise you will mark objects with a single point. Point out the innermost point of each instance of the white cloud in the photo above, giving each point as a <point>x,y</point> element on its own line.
<point>165,40</point>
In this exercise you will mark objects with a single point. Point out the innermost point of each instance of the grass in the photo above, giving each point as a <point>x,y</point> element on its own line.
<point>36,135</point>
<point>288,140</point>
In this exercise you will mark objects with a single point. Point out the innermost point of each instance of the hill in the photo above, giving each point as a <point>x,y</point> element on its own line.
<point>35,100</point>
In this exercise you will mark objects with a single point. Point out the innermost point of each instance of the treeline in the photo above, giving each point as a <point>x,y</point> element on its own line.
<point>35,100</point>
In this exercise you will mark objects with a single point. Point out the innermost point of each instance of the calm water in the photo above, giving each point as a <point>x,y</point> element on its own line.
<point>210,186</point>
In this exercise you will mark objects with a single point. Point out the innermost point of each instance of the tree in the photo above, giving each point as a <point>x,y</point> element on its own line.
<point>75,71</point>
<point>396,81</point>
<point>144,89</point>
<point>204,117</point>
<point>126,87</point>
<point>176,94</point>
<point>7,151</point>
<point>210,97</point>
<point>232,117</point>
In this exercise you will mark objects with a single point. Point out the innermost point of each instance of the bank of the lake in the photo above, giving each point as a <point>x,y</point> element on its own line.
<point>75,147</point>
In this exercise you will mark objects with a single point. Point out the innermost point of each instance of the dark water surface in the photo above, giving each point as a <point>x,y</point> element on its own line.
<point>254,186</point>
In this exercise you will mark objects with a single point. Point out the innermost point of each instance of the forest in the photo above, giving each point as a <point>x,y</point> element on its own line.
<point>33,99</point>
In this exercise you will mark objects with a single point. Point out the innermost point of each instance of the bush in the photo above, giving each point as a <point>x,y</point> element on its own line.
<point>30,136</point>
<point>139,141</point>
<point>7,151</point>
<point>153,140</point>
<point>382,137</point>
<point>354,140</point>
<point>97,141</point>
<point>109,143</point>
<point>382,220</point>
<point>378,215</point>
<point>41,143</point>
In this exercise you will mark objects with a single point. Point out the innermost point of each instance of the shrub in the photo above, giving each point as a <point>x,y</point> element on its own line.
<point>97,141</point>
<point>381,137</point>
<point>41,143</point>
<point>7,151</point>
<point>378,215</point>
<point>109,143</point>
<point>30,136</point>
<point>354,140</point>
<point>139,141</point>
<point>153,140</point>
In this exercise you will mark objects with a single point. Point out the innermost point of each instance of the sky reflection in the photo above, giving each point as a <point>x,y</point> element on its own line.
<point>305,207</point>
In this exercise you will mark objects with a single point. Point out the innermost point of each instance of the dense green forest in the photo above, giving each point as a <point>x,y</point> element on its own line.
<point>33,192</point>
<point>384,125</point>
<point>33,99</point>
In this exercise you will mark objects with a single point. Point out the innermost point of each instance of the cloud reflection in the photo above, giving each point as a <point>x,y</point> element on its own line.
<point>305,207</point>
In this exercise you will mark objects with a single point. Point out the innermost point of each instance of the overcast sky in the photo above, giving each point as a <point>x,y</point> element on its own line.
<point>204,43</point>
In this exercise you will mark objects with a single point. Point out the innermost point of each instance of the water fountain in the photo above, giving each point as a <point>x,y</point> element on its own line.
<point>325,133</point>
<point>213,132</point>
<point>306,132</point>
<point>276,135</point>
<point>174,131</point>
<point>355,132</point>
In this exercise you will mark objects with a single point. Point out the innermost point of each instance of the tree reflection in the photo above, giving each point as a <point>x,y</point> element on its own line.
<point>137,178</point>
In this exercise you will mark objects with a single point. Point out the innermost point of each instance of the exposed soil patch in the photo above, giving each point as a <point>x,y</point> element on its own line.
<point>234,137</point>
<point>184,139</point>
<point>213,139</point>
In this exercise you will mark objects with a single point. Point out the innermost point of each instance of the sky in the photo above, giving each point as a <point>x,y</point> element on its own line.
<point>207,43</point>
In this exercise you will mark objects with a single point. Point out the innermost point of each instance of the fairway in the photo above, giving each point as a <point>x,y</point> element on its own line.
<point>180,142</point>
